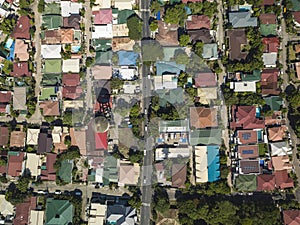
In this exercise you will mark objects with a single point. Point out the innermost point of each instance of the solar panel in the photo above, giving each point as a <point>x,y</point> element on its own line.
<point>246,136</point>
<point>247,152</point>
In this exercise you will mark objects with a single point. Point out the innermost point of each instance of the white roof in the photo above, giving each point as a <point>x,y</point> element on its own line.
<point>36,217</point>
<point>76,104</point>
<point>243,86</point>
<point>3,12</point>
<point>171,153</point>
<point>123,4</point>
<point>51,51</point>
<point>32,163</point>
<point>97,214</point>
<point>129,88</point>
<point>102,31</point>
<point>68,8</point>
<point>56,134</point>
<point>168,81</point>
<point>270,59</point>
<point>19,98</point>
<point>70,65</point>
<point>99,175</point>
<point>201,164</point>
<point>280,148</point>
<point>101,4</point>
<point>6,208</point>
<point>32,136</point>
<point>127,73</point>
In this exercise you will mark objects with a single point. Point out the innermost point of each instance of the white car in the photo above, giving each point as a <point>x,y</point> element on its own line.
<point>57,192</point>
<point>149,76</point>
<point>145,152</point>
<point>146,128</point>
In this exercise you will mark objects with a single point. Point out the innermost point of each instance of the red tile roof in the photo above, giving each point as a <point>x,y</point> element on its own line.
<point>205,80</point>
<point>5,96</point>
<point>179,175</point>
<point>15,164</point>
<point>101,140</point>
<point>296,16</point>
<point>103,16</point>
<point>245,117</point>
<point>21,30</point>
<point>20,69</point>
<point>23,211</point>
<point>265,182</point>
<point>247,136</point>
<point>291,217</point>
<point>4,136</point>
<point>201,117</point>
<point>267,18</point>
<point>71,92</point>
<point>198,22</point>
<point>50,172</point>
<point>248,151</point>
<point>269,80</point>
<point>271,44</point>
<point>282,179</point>
<point>71,79</point>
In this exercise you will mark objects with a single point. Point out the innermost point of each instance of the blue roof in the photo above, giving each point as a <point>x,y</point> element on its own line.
<point>169,68</point>
<point>127,58</point>
<point>188,10</point>
<point>11,55</point>
<point>158,15</point>
<point>213,161</point>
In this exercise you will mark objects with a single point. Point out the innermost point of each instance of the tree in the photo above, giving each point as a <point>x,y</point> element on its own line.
<point>184,40</point>
<point>116,83</point>
<point>41,6</point>
<point>198,48</point>
<point>182,58</point>
<point>22,184</point>
<point>176,15</point>
<point>8,24</point>
<point>152,51</point>
<point>89,61</point>
<point>155,7</point>
<point>153,25</point>
<point>134,25</point>
<point>7,67</point>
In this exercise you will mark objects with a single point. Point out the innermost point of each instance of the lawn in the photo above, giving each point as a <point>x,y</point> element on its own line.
<point>292,54</point>
<point>263,149</point>
<point>268,29</point>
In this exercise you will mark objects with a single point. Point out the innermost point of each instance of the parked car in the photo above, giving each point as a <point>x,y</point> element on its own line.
<point>57,192</point>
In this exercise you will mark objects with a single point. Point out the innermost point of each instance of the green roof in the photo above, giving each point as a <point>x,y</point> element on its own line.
<point>59,212</point>
<point>296,5</point>
<point>268,29</point>
<point>52,66</point>
<point>123,15</point>
<point>210,51</point>
<point>164,125</point>
<point>103,57</point>
<point>102,44</point>
<point>110,172</point>
<point>255,76</point>
<point>77,35</point>
<point>206,137</point>
<point>275,102</point>
<point>246,183</point>
<point>173,96</point>
<point>52,21</point>
<point>52,8</point>
<point>169,52</point>
<point>65,170</point>
<point>46,93</point>
<point>51,79</point>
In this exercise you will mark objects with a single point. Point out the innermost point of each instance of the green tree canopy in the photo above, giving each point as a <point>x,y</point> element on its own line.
<point>184,40</point>
<point>176,15</point>
<point>134,25</point>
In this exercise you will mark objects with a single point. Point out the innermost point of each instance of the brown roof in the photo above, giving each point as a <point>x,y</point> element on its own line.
<point>205,79</point>
<point>4,136</point>
<point>281,163</point>
<point>297,16</point>
<point>21,30</point>
<point>265,182</point>
<point>23,211</point>
<point>297,48</point>
<point>248,151</point>
<point>50,172</point>
<point>44,143</point>
<point>21,50</point>
<point>50,108</point>
<point>275,119</point>
<point>5,96</point>
<point>179,175</point>
<point>52,37</point>
<point>71,79</point>
<point>247,136</point>
<point>167,34</point>
<point>202,35</point>
<point>67,35</point>
<point>271,44</point>
<point>269,82</point>
<point>237,38</point>
<point>276,133</point>
<point>291,217</point>
<point>198,22</point>
<point>72,21</point>
<point>17,139</point>
<point>267,18</point>
<point>78,138</point>
<point>15,164</point>
<point>282,180</point>
<point>20,69</point>
<point>268,2</point>
<point>71,92</point>
<point>249,166</point>
<point>201,117</point>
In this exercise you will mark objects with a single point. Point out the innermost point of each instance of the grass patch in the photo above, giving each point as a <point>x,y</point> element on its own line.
<point>263,149</point>
<point>292,54</point>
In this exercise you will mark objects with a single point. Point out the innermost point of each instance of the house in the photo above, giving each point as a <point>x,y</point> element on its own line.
<point>282,180</point>
<point>78,138</point>
<point>269,82</point>
<point>277,133</point>
<point>274,119</point>
<point>210,51</point>
<point>247,137</point>
<point>110,170</point>
<point>248,151</point>
<point>101,140</point>
<point>280,148</point>
<point>23,211</point>
<point>44,142</point>
<point>71,66</point>
<point>65,170</point>
<point>243,86</point>
<point>69,8</point>
<point>246,183</point>
<point>102,31</point>
<point>196,22</point>
<point>50,108</point>
<point>201,117</point>
<point>173,131</point>
<point>167,34</point>
<point>19,98</point>
<point>163,67</point>
<point>102,17</point>
<point>201,163</point>
<point>21,29</point>
<point>120,214</point>
<point>268,2</point>
<point>51,37</point>
<point>271,44</point>
<point>160,174</point>
<point>103,57</point>
<point>172,153</point>
<point>171,96</point>
<point>267,18</point>
<point>281,163</point>
<point>21,50</point>
<point>59,211</point>
<point>51,51</point>
<point>97,214</point>
<point>52,66</point>
<point>237,41</point>
<point>5,98</point>
<point>17,139</point>
<point>123,4</point>
<point>72,21</point>
<point>249,166</point>
<point>71,88</point>
<point>265,182</point>
<point>20,69</point>
<point>67,35</point>
<point>245,117</point>
<point>72,104</point>
<point>166,81</point>
<point>127,58</point>
<point>6,208</point>
<point>205,137</point>
<point>296,16</point>
<point>100,72</point>
<point>128,174</point>
<point>36,217</point>
<point>33,164</point>
<point>51,22</point>
<point>121,41</point>
<point>205,79</point>
<point>270,59</point>
<point>16,164</point>
<point>273,103</point>
<point>291,217</point>
<point>203,35</point>
<point>4,136</point>
<point>48,172</point>
<point>242,19</point>
<point>48,93</point>
<point>179,172</point>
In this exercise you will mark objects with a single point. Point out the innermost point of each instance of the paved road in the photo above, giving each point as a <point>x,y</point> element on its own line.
<point>220,29</point>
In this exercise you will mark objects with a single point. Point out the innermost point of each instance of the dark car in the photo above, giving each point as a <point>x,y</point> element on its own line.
<point>77,192</point>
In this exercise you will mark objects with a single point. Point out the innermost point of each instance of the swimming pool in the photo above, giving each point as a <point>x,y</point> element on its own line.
<point>11,55</point>
<point>76,49</point>
<point>9,43</point>
<point>257,112</point>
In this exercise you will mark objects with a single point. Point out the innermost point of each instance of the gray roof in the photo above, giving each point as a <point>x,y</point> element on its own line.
<point>210,51</point>
<point>242,19</point>
<point>206,137</point>
<point>270,59</point>
<point>120,214</point>
<point>19,98</point>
